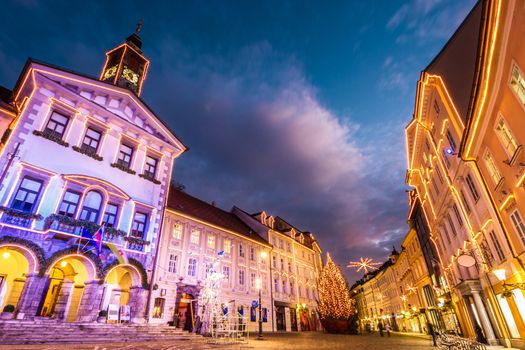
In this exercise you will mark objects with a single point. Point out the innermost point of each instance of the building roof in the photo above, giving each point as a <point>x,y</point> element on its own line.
<point>457,61</point>
<point>282,226</point>
<point>182,202</point>
<point>5,98</point>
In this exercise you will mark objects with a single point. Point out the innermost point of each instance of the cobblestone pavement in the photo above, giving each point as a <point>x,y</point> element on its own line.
<point>283,341</point>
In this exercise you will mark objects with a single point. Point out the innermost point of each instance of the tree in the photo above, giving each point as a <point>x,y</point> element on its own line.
<point>334,296</point>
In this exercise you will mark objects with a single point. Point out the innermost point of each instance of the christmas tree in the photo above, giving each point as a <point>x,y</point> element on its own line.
<point>334,296</point>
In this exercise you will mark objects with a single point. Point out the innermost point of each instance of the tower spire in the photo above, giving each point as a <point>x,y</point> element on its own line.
<point>139,26</point>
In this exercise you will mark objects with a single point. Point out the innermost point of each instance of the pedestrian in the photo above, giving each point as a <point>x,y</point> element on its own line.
<point>380,327</point>
<point>387,328</point>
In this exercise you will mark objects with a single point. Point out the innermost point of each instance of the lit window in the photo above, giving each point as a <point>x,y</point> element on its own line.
<point>125,153</point>
<point>211,242</point>
<point>110,215</point>
<point>195,236</point>
<point>158,307</point>
<point>69,204</point>
<point>518,224</point>
<point>139,225</point>
<point>172,263</point>
<point>493,169</point>
<point>27,194</point>
<point>56,125</point>
<point>192,267</point>
<point>506,137</point>
<point>227,246</point>
<point>177,231</point>
<point>518,84</point>
<point>496,244</point>
<point>91,141</point>
<point>150,168</point>
<point>472,188</point>
<point>91,206</point>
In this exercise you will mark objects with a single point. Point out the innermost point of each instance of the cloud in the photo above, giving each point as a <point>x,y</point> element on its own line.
<point>260,138</point>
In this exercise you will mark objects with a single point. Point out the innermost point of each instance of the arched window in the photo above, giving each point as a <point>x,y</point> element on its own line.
<point>91,206</point>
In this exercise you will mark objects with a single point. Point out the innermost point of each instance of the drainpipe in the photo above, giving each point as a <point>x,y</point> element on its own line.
<point>157,250</point>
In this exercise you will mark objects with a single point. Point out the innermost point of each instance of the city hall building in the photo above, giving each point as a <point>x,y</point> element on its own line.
<point>78,152</point>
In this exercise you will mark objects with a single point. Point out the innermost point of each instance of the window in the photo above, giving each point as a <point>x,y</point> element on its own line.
<point>289,266</point>
<point>69,204</point>
<point>307,293</point>
<point>91,141</point>
<point>241,277</point>
<point>227,246</point>
<point>292,290</point>
<point>496,245</point>
<point>445,158</point>
<point>56,125</point>
<point>125,153</point>
<point>274,261</point>
<point>139,225</point>
<point>172,263</point>
<point>506,137</point>
<point>91,206</point>
<point>436,107</point>
<point>434,184</point>
<point>110,215</point>
<point>300,291</point>
<point>27,194</point>
<point>518,84</point>
<point>445,231</point>
<point>276,285</point>
<point>452,227</point>
<point>195,236</point>
<point>226,273</point>
<point>451,141</point>
<point>492,168</point>
<point>252,279</point>
<point>209,270</point>
<point>150,169</point>
<point>211,242</point>
<point>427,146</point>
<point>438,172</point>
<point>274,241</point>
<point>192,267</point>
<point>288,247</point>
<point>282,264</point>
<point>284,286</point>
<point>518,224</point>
<point>158,307</point>
<point>465,202</point>
<point>241,250</point>
<point>458,216</point>
<point>472,188</point>
<point>281,246</point>
<point>177,231</point>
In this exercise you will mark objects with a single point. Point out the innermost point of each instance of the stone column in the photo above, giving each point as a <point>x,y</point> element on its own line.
<point>62,305</point>
<point>137,303</point>
<point>90,302</point>
<point>485,322</point>
<point>30,296</point>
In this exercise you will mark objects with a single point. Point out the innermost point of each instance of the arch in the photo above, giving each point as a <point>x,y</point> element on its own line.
<point>91,268</point>
<point>15,263</point>
<point>134,273</point>
<point>92,204</point>
<point>94,265</point>
<point>31,258</point>
<point>30,250</point>
<point>133,264</point>
<point>93,182</point>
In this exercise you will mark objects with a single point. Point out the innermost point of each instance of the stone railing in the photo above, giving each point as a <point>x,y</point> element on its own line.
<point>453,342</point>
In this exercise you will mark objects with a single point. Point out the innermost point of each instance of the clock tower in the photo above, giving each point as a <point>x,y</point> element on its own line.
<point>125,65</point>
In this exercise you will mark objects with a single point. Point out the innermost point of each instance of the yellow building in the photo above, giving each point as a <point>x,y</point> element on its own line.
<point>464,162</point>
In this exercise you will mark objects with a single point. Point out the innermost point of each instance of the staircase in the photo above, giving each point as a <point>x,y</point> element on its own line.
<point>54,332</point>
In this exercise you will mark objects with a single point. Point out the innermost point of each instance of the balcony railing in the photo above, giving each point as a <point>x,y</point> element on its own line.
<point>18,217</point>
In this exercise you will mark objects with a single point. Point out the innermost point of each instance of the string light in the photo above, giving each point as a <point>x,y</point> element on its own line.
<point>364,264</point>
<point>334,296</point>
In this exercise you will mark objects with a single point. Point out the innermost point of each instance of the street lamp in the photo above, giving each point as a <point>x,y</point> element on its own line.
<point>258,285</point>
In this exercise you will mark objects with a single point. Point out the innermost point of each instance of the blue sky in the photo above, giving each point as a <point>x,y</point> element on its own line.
<point>293,107</point>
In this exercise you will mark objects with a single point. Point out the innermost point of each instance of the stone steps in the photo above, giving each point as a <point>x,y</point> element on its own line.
<point>53,332</point>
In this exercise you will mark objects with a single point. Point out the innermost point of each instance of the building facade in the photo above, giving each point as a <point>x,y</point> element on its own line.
<point>464,164</point>
<point>295,264</point>
<point>197,235</point>
<point>78,152</point>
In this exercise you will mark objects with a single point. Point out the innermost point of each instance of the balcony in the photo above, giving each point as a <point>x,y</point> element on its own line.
<point>18,217</point>
<point>66,224</point>
<point>134,243</point>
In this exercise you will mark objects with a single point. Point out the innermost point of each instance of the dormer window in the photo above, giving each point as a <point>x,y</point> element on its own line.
<point>150,169</point>
<point>125,154</point>
<point>91,207</point>
<point>56,125</point>
<point>91,141</point>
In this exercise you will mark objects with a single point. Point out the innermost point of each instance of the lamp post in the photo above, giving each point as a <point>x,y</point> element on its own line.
<point>258,284</point>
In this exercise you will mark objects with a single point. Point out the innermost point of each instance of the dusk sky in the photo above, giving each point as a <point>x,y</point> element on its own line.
<point>297,108</point>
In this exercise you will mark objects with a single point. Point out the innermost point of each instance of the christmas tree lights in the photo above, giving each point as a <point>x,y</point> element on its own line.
<point>334,295</point>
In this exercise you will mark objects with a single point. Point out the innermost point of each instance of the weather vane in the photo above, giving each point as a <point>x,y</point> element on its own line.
<point>364,264</point>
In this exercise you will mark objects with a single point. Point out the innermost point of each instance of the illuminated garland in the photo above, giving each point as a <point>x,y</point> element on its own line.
<point>334,296</point>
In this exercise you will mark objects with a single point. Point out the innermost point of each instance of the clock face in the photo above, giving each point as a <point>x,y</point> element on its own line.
<point>110,72</point>
<point>130,75</point>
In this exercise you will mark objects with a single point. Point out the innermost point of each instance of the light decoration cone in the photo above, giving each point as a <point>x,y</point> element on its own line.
<point>334,295</point>
<point>364,264</point>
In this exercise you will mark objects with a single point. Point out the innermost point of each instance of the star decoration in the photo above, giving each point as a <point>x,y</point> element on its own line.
<point>364,264</point>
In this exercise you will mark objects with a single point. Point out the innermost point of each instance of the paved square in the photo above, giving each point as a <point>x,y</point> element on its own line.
<point>282,341</point>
